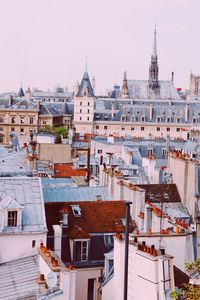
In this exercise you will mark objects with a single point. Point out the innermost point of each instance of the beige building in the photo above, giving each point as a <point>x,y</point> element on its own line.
<point>23,117</point>
<point>20,117</point>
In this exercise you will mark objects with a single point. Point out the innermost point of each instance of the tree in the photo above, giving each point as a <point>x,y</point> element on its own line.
<point>189,291</point>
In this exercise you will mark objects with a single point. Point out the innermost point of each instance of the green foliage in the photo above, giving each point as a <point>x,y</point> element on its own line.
<point>174,295</point>
<point>189,291</point>
<point>60,131</point>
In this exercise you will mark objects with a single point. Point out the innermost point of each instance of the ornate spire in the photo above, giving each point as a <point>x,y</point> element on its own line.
<point>154,53</point>
<point>153,69</point>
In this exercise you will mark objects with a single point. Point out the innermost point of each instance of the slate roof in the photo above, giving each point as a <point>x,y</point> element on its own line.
<point>138,110</point>
<point>161,193</point>
<point>28,194</point>
<point>18,279</point>
<point>17,104</point>
<point>85,84</point>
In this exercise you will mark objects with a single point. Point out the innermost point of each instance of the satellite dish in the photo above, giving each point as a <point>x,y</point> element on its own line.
<point>51,279</point>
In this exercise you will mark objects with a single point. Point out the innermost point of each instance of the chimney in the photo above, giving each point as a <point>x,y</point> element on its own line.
<point>98,197</point>
<point>147,218</point>
<point>57,239</point>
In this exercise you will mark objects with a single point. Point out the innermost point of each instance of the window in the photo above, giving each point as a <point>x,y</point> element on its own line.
<point>97,127</point>
<point>81,251</point>
<point>33,243</point>
<point>149,152</point>
<point>165,153</point>
<point>194,121</point>
<point>12,128</point>
<point>99,151</point>
<point>13,120</point>
<point>168,120</point>
<point>158,128</point>
<point>22,120</point>
<point>31,120</point>
<point>105,127</point>
<point>108,239</point>
<point>88,111</point>
<point>1,119</point>
<point>21,129</point>
<point>81,103</point>
<point>1,128</point>
<point>168,129</point>
<point>88,103</point>
<point>142,128</point>
<point>178,129</point>
<point>80,118</point>
<point>143,119</point>
<point>122,128</point>
<point>132,128</point>
<point>76,210</point>
<point>178,120</point>
<point>158,119</point>
<point>44,122</point>
<point>88,118</point>
<point>1,139</point>
<point>80,111</point>
<point>12,218</point>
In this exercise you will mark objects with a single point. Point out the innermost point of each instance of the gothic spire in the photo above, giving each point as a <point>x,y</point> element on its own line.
<point>153,68</point>
<point>154,53</point>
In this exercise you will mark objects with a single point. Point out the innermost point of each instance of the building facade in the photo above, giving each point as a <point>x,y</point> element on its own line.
<point>141,108</point>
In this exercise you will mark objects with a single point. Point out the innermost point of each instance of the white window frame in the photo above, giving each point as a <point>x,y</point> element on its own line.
<point>108,239</point>
<point>86,253</point>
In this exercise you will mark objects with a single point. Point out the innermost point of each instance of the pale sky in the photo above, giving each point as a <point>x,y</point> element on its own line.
<point>45,42</point>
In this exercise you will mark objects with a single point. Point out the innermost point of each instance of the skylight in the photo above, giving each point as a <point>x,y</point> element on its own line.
<point>76,210</point>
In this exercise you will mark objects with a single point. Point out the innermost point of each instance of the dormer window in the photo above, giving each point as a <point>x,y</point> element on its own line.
<point>108,239</point>
<point>81,250</point>
<point>10,213</point>
<point>12,218</point>
<point>76,210</point>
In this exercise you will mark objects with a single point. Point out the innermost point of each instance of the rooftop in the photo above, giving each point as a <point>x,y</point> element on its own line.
<point>95,217</point>
<point>18,279</point>
<point>72,194</point>
<point>27,192</point>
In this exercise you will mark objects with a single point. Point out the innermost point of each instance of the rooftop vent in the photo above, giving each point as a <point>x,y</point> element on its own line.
<point>98,197</point>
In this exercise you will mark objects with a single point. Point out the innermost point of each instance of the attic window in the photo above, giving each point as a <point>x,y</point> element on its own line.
<point>12,218</point>
<point>76,210</point>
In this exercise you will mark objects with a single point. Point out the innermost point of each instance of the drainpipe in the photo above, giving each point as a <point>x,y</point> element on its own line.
<point>127,204</point>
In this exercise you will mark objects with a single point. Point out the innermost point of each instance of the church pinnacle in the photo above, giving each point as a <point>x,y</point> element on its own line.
<point>153,69</point>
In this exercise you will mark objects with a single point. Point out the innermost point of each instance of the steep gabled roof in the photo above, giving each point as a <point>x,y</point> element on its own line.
<point>85,84</point>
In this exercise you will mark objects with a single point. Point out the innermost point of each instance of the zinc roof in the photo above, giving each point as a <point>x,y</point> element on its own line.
<point>82,193</point>
<point>18,279</point>
<point>28,193</point>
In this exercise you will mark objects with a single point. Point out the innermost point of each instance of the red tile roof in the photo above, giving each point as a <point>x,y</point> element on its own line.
<point>67,170</point>
<point>161,192</point>
<point>96,217</point>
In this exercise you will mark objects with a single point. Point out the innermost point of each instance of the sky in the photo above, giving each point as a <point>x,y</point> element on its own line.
<point>46,42</point>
